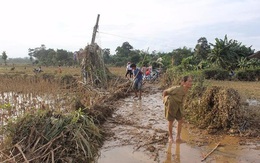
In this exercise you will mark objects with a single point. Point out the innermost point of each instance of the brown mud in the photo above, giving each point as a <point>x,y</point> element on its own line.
<point>137,132</point>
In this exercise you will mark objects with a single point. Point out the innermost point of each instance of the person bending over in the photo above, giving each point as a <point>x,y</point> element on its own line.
<point>173,101</point>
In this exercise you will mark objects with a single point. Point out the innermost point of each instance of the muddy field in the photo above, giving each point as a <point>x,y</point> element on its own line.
<point>138,133</point>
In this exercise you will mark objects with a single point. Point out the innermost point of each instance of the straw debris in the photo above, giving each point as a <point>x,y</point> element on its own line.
<point>215,109</point>
<point>62,135</point>
<point>50,137</point>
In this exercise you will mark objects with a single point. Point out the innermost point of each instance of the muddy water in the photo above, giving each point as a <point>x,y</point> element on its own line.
<point>138,135</point>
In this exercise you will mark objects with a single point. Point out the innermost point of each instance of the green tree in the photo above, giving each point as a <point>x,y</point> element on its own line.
<point>4,56</point>
<point>30,53</point>
<point>254,63</point>
<point>227,53</point>
<point>123,55</point>
<point>124,50</point>
<point>187,63</point>
<point>179,54</point>
<point>38,53</point>
<point>106,56</point>
<point>135,57</point>
<point>51,57</point>
<point>64,57</point>
<point>202,49</point>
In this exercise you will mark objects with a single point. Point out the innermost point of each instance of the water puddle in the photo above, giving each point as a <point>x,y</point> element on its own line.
<point>13,104</point>
<point>123,154</point>
<point>138,135</point>
<point>253,102</point>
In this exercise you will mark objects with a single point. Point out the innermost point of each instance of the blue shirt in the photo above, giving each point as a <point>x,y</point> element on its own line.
<point>138,74</point>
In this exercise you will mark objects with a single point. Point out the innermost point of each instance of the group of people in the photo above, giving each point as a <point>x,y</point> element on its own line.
<point>146,71</point>
<point>173,99</point>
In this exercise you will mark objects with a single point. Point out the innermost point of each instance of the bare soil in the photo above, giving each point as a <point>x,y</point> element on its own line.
<point>137,132</point>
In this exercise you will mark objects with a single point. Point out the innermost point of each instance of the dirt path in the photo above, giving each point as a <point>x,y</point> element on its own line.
<point>138,133</point>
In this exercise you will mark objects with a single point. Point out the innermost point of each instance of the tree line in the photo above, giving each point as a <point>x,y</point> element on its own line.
<point>225,53</point>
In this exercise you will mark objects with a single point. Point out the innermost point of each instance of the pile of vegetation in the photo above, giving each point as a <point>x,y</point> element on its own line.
<point>218,109</point>
<point>68,135</point>
<point>214,108</point>
<point>45,136</point>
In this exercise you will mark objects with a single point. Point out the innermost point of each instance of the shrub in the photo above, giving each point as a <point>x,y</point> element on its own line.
<point>248,75</point>
<point>216,74</point>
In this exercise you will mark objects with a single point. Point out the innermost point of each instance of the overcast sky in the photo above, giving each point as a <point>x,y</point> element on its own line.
<point>160,25</point>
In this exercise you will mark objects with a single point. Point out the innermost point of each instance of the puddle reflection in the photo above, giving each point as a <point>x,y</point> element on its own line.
<point>173,157</point>
<point>169,154</point>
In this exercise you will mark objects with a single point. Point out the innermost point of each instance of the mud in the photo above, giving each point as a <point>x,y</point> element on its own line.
<point>137,132</point>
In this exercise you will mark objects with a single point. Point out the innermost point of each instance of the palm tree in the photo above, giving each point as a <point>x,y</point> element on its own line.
<point>224,53</point>
<point>243,63</point>
<point>227,53</point>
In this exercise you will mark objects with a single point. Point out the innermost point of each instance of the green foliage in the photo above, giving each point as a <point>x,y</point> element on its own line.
<point>173,75</point>
<point>4,56</point>
<point>106,56</point>
<point>254,63</point>
<point>124,50</point>
<point>202,49</point>
<point>216,74</point>
<point>203,65</point>
<point>226,53</point>
<point>134,57</point>
<point>188,63</point>
<point>50,57</point>
<point>245,63</point>
<point>179,54</point>
<point>167,60</point>
<point>248,75</point>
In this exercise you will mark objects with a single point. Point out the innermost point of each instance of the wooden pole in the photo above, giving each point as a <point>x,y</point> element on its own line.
<point>95,31</point>
<point>204,158</point>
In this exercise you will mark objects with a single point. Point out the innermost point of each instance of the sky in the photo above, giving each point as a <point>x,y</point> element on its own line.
<point>153,25</point>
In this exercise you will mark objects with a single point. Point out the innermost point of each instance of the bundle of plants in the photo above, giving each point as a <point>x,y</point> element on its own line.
<point>120,89</point>
<point>100,112</point>
<point>49,137</point>
<point>214,108</point>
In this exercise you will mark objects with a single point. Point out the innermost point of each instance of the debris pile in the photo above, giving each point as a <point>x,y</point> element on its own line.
<point>215,109</point>
<point>49,137</point>
<point>71,135</point>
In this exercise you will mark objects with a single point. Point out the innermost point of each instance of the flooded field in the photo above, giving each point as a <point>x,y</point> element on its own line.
<point>138,133</point>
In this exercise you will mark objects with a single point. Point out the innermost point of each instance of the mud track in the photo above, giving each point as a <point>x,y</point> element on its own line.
<point>137,132</point>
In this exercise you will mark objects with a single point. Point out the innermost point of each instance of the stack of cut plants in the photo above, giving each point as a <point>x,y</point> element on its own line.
<point>218,109</point>
<point>48,137</point>
<point>61,135</point>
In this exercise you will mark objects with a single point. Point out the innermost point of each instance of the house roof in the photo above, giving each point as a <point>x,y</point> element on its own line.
<point>255,55</point>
